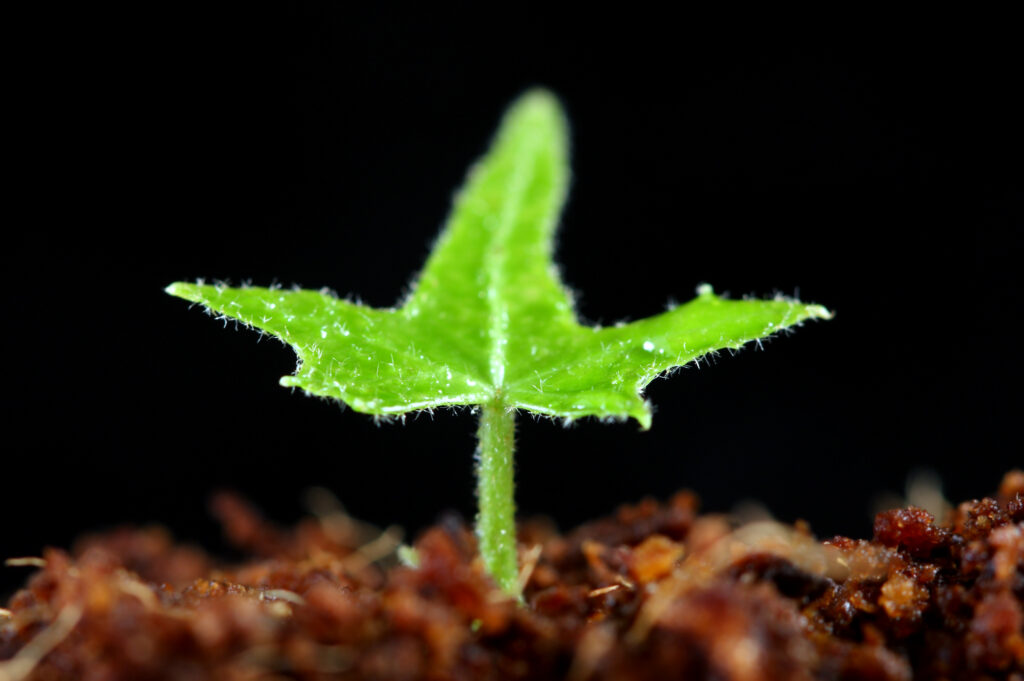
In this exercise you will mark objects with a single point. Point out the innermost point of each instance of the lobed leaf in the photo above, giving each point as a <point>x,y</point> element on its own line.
<point>489,321</point>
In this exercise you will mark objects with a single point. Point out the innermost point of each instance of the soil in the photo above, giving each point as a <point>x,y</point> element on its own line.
<point>656,591</point>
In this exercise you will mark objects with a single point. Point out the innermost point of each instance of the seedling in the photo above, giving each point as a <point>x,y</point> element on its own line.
<point>489,324</point>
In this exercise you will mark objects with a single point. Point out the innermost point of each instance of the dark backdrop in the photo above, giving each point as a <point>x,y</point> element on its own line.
<point>309,146</point>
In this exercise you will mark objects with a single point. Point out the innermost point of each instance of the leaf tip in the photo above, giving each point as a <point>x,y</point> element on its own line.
<point>537,97</point>
<point>181,289</point>
<point>819,312</point>
<point>537,106</point>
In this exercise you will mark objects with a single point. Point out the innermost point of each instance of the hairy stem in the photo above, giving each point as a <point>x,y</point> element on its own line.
<point>495,522</point>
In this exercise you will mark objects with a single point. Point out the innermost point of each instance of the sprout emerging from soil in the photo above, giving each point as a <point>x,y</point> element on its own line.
<point>489,324</point>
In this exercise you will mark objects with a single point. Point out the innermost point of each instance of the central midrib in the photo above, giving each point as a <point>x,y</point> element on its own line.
<point>494,266</point>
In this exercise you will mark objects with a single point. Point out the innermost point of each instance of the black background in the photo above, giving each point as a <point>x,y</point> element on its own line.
<point>306,145</point>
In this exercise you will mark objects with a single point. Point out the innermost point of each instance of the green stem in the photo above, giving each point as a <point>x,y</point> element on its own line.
<point>496,522</point>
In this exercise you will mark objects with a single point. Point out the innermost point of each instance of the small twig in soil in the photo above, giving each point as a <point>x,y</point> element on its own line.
<point>386,543</point>
<point>133,587</point>
<point>21,665</point>
<point>282,595</point>
<point>620,583</point>
<point>594,593</point>
<point>530,558</point>
<point>383,546</point>
<point>29,561</point>
<point>343,528</point>
<point>334,519</point>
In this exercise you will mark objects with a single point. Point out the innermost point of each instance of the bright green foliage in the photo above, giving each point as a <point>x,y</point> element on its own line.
<point>490,324</point>
<point>489,320</point>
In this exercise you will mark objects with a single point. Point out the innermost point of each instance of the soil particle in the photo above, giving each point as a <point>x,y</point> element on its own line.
<point>910,528</point>
<point>655,591</point>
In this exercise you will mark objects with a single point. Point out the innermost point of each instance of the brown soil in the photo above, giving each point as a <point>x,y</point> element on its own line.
<point>655,592</point>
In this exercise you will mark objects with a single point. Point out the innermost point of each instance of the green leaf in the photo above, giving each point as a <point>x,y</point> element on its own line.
<point>489,321</point>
